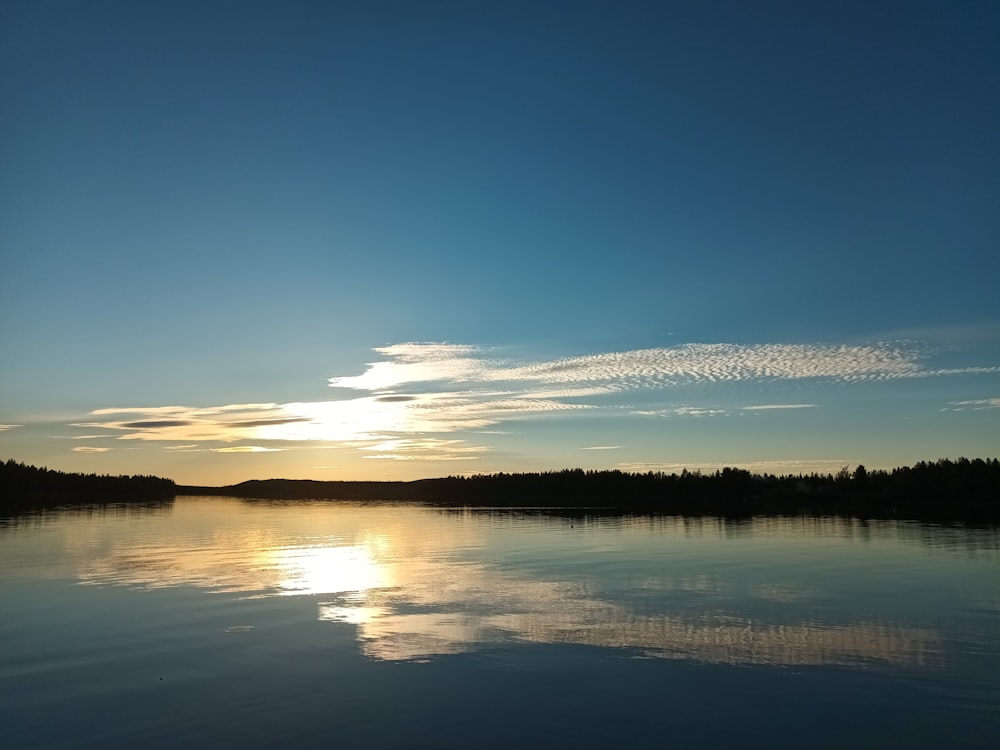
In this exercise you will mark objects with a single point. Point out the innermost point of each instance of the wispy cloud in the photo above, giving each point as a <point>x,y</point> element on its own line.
<point>89,449</point>
<point>8,426</point>
<point>426,449</point>
<point>227,423</point>
<point>766,407</point>
<point>697,411</point>
<point>981,404</point>
<point>246,449</point>
<point>682,411</point>
<point>601,448</point>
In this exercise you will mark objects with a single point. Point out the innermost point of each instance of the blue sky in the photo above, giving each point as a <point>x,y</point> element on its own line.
<point>394,240</point>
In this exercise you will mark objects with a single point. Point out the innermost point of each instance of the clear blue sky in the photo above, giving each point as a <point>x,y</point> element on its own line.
<point>404,239</point>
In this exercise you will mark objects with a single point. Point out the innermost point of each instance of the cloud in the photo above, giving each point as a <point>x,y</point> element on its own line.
<point>170,410</point>
<point>559,393</point>
<point>981,404</point>
<point>682,411</point>
<point>765,407</point>
<point>89,449</point>
<point>268,422</point>
<point>413,363</point>
<point>601,448</point>
<point>424,449</point>
<point>9,426</point>
<point>696,411</point>
<point>642,368</point>
<point>406,403</point>
<point>186,424</point>
<point>959,371</point>
<point>366,423</point>
<point>247,449</point>
<point>410,457</point>
<point>155,425</point>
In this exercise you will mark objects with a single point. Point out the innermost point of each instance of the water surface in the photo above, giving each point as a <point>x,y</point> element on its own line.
<point>224,622</point>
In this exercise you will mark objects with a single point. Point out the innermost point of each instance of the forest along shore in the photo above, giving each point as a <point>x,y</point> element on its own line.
<point>962,490</point>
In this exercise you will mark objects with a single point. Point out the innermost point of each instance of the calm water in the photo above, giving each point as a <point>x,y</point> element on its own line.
<point>217,622</point>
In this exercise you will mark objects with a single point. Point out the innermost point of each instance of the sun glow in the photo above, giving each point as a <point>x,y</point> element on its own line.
<point>357,419</point>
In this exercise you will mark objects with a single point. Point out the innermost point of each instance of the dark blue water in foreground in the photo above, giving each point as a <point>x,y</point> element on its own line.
<point>222,623</point>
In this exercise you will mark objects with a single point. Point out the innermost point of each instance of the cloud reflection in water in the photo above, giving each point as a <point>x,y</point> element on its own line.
<point>549,612</point>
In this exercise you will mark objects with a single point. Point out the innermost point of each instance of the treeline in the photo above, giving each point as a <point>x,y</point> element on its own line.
<point>943,490</point>
<point>940,490</point>
<point>24,486</point>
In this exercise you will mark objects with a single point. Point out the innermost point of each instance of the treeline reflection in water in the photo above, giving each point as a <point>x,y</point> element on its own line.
<point>36,517</point>
<point>969,536</point>
<point>419,583</point>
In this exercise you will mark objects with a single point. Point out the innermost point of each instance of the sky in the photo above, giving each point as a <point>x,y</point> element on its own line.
<point>393,240</point>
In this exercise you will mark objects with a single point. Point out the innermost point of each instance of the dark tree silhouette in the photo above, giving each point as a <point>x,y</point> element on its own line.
<point>22,486</point>
<point>943,490</point>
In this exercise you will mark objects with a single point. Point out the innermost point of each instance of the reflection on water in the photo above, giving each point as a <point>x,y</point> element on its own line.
<point>418,583</point>
<point>221,623</point>
<point>35,518</point>
<point>386,633</point>
<point>321,570</point>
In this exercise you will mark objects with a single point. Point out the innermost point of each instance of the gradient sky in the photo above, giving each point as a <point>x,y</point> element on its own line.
<point>392,240</point>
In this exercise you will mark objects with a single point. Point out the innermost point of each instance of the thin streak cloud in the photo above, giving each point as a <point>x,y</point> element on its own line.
<point>247,449</point>
<point>155,425</point>
<point>682,411</point>
<point>766,407</point>
<point>981,404</point>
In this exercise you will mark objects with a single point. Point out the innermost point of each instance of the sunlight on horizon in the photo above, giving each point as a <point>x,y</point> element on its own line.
<point>359,419</point>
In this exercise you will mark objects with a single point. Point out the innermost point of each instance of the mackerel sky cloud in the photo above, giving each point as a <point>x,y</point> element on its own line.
<point>407,364</point>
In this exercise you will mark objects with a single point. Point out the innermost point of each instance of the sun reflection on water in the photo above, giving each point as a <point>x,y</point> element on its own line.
<point>328,570</point>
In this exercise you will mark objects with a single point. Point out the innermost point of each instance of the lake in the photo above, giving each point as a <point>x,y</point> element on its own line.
<point>219,622</point>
